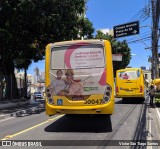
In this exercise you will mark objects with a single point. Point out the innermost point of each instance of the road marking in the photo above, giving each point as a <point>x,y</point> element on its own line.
<point>158,113</point>
<point>7,119</point>
<point>149,136</point>
<point>16,134</point>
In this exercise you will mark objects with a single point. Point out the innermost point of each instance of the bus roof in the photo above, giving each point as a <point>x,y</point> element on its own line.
<point>128,69</point>
<point>156,81</point>
<point>63,43</point>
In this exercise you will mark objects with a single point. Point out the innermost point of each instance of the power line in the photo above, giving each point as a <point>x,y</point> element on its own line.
<point>135,38</point>
<point>143,14</point>
<point>138,40</point>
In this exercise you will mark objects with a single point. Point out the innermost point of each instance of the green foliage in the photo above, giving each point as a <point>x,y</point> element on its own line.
<point>27,26</point>
<point>157,101</point>
<point>117,48</point>
<point>34,23</point>
<point>86,28</point>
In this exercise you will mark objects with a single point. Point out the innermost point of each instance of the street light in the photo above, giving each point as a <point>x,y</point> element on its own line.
<point>133,54</point>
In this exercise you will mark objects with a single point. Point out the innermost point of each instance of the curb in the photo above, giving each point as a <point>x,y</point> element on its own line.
<point>5,116</point>
<point>24,112</point>
<point>11,105</point>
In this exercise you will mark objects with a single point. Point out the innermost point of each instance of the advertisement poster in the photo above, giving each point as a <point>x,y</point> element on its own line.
<point>78,70</point>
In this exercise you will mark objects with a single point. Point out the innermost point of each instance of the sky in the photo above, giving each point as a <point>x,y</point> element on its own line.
<point>109,13</point>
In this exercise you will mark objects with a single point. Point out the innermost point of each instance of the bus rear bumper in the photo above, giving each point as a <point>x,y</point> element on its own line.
<point>107,108</point>
<point>131,95</point>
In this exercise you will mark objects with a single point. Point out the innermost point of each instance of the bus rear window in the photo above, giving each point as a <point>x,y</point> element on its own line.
<point>78,56</point>
<point>129,75</point>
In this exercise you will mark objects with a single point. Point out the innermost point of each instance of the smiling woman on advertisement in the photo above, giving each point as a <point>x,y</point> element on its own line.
<point>74,88</point>
<point>79,77</point>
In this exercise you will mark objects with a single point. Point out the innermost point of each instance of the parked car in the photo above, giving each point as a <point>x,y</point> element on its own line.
<point>38,95</point>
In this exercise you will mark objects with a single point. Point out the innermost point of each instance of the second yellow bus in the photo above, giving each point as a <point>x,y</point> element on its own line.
<point>130,82</point>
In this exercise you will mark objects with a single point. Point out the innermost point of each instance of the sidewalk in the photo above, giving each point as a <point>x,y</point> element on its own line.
<point>13,103</point>
<point>9,107</point>
<point>17,108</point>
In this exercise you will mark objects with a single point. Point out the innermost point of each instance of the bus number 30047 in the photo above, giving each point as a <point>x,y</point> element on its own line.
<point>93,101</point>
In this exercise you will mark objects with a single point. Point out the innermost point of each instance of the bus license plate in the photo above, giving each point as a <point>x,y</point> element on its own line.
<point>75,98</point>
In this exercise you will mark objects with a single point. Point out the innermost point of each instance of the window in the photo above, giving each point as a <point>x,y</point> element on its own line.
<point>129,75</point>
<point>78,56</point>
<point>146,76</point>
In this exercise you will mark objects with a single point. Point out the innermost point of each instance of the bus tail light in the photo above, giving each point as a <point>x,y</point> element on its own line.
<point>49,96</point>
<point>141,89</point>
<point>107,94</point>
<point>117,91</point>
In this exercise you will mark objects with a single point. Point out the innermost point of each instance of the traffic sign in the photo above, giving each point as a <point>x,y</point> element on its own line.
<point>59,102</point>
<point>127,29</point>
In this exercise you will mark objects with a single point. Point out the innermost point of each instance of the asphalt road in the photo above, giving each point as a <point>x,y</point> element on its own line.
<point>131,121</point>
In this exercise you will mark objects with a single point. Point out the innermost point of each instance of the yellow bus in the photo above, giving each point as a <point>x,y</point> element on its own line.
<point>130,82</point>
<point>156,82</point>
<point>79,77</point>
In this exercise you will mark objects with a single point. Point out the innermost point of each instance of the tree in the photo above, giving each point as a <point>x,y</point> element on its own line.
<point>118,47</point>
<point>33,24</point>
<point>7,65</point>
<point>86,28</point>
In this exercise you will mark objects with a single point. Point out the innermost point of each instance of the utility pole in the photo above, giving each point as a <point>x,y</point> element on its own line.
<point>155,22</point>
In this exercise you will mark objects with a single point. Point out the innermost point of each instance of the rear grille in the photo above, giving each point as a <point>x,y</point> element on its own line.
<point>80,97</point>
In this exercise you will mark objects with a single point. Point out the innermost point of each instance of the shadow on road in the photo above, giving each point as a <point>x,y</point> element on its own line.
<point>140,132</point>
<point>130,101</point>
<point>81,123</point>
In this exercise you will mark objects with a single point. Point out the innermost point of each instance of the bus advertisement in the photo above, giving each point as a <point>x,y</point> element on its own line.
<point>79,77</point>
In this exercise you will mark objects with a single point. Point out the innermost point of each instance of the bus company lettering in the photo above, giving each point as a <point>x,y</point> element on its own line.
<point>87,54</point>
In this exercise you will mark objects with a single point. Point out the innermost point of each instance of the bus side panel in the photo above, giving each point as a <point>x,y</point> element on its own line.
<point>47,64</point>
<point>143,84</point>
<point>109,67</point>
<point>47,76</point>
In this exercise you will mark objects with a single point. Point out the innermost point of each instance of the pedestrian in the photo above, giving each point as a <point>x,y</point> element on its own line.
<point>152,91</point>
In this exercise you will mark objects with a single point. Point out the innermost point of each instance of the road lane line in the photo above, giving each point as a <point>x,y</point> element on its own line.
<point>7,119</point>
<point>16,134</point>
<point>158,113</point>
<point>149,136</point>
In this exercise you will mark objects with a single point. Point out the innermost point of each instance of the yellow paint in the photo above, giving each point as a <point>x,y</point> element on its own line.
<point>156,82</point>
<point>79,107</point>
<point>130,88</point>
<point>23,131</point>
